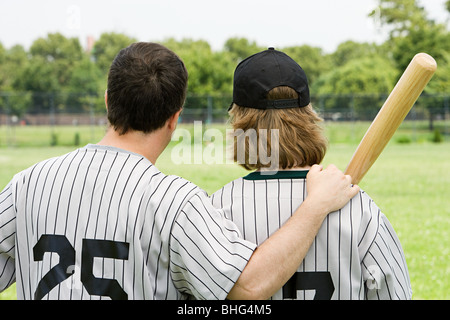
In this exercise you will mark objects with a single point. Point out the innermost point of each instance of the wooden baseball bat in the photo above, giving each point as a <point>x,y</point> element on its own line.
<point>394,110</point>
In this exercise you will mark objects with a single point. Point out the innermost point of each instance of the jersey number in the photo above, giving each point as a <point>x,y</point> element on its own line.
<point>319,281</point>
<point>91,249</point>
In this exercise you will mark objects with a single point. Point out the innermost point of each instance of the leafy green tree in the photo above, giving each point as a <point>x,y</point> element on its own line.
<point>87,86</point>
<point>432,39</point>
<point>311,59</point>
<point>361,84</point>
<point>241,48</point>
<point>50,64</point>
<point>86,78</point>
<point>2,63</point>
<point>440,83</point>
<point>364,75</point>
<point>411,31</point>
<point>61,54</point>
<point>107,47</point>
<point>351,50</point>
<point>222,75</point>
<point>12,61</point>
<point>38,77</point>
<point>400,16</point>
<point>209,72</point>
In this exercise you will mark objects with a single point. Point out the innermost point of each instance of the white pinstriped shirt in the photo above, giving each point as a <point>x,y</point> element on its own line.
<point>355,255</point>
<point>101,222</point>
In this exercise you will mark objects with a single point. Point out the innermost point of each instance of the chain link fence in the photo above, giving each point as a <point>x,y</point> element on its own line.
<point>74,110</point>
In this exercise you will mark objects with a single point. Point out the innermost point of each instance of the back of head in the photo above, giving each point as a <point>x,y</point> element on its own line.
<point>147,83</point>
<point>270,92</point>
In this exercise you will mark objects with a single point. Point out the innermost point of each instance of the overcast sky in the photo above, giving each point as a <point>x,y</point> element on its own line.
<point>278,23</point>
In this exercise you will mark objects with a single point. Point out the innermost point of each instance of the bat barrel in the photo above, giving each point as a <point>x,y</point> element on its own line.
<point>399,102</point>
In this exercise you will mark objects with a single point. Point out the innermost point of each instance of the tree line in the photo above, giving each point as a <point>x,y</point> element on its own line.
<point>56,63</point>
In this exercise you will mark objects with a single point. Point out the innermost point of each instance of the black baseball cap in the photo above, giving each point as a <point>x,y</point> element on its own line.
<point>255,76</point>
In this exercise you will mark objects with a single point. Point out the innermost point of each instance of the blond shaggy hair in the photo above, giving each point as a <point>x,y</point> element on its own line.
<point>301,141</point>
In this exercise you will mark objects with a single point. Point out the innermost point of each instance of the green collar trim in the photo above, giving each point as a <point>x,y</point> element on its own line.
<point>268,175</point>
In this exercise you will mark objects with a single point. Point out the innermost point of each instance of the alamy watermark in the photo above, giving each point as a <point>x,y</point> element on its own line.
<point>212,146</point>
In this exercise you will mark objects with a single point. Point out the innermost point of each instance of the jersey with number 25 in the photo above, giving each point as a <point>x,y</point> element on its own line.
<point>105,223</point>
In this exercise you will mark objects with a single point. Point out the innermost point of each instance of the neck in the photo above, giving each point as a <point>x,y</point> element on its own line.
<point>295,168</point>
<point>149,145</point>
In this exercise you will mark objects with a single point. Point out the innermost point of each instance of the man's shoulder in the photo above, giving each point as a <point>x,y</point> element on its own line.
<point>41,163</point>
<point>176,182</point>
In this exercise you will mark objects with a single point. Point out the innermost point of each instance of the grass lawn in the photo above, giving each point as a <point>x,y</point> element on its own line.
<point>409,182</point>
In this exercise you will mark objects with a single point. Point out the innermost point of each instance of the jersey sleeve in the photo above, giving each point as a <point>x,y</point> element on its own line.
<point>384,266</point>
<point>207,251</point>
<point>7,237</point>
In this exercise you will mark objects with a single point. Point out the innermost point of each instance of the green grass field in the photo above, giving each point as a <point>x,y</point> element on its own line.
<point>409,182</point>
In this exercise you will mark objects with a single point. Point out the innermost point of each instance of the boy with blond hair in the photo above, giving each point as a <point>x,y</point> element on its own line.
<point>356,253</point>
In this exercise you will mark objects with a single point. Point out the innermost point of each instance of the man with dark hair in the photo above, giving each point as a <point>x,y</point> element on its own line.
<point>103,221</point>
<point>145,88</point>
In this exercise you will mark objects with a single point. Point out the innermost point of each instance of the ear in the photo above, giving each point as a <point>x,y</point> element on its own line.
<point>106,99</point>
<point>173,120</point>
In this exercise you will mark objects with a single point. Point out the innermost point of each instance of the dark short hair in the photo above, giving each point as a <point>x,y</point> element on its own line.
<point>147,84</point>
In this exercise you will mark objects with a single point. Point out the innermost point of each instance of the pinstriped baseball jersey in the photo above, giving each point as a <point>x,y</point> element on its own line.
<point>101,222</point>
<point>355,255</point>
